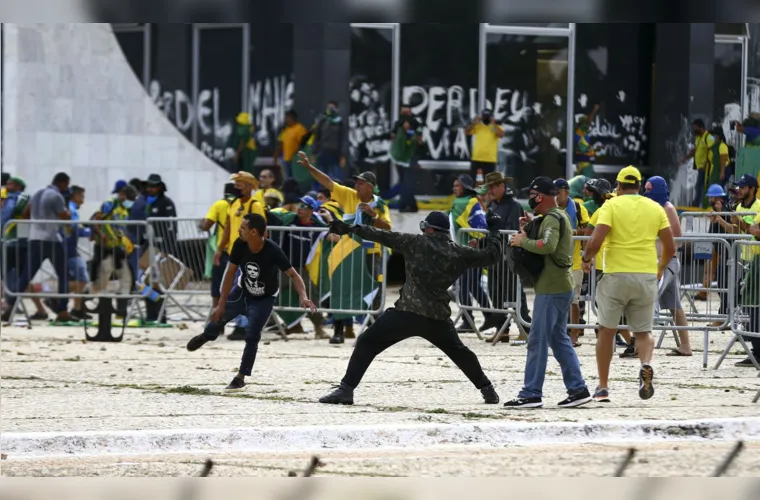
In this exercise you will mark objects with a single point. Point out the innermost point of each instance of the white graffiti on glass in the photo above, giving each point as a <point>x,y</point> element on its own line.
<point>605,136</point>
<point>268,100</point>
<point>446,112</point>
<point>369,124</point>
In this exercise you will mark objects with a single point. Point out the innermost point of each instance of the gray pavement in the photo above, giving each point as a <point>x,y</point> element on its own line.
<point>53,381</point>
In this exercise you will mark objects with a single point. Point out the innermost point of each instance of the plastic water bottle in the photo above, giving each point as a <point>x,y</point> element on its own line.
<point>479,179</point>
<point>148,292</point>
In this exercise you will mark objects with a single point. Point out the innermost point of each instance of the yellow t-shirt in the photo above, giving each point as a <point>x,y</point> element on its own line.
<point>349,199</point>
<point>485,145</point>
<point>577,246</point>
<point>702,147</point>
<point>291,137</point>
<point>603,247</point>
<point>749,251</point>
<point>218,215</point>
<point>236,212</point>
<point>634,221</point>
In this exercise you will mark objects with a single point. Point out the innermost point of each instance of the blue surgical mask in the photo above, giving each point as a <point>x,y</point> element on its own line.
<point>128,204</point>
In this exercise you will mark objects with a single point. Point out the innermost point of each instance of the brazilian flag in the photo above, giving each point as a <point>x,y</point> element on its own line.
<point>306,251</point>
<point>351,283</point>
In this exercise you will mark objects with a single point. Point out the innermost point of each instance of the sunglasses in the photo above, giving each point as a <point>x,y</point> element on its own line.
<point>304,205</point>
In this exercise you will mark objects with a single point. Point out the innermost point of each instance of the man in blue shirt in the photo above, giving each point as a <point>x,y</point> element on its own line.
<point>77,268</point>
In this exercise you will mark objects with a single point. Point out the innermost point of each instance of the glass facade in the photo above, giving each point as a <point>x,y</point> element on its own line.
<point>727,87</point>
<point>526,89</point>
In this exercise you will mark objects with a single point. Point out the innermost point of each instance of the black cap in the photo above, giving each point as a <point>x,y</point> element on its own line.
<point>747,180</point>
<point>543,185</point>
<point>561,184</point>
<point>367,177</point>
<point>438,220</point>
<point>466,181</point>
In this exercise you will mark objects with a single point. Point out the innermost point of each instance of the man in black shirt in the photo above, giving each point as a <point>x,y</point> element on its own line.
<point>254,294</point>
<point>433,263</point>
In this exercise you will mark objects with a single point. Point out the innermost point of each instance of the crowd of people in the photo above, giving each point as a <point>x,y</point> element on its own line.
<point>632,248</point>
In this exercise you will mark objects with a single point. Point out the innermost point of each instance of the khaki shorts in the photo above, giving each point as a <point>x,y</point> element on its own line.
<point>577,284</point>
<point>632,295</point>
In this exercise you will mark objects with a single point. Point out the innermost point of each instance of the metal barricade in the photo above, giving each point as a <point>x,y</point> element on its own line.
<point>345,277</point>
<point>744,301</point>
<point>179,268</point>
<point>496,290</point>
<point>77,260</point>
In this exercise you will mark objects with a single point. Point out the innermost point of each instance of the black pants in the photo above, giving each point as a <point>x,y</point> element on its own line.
<point>393,326</point>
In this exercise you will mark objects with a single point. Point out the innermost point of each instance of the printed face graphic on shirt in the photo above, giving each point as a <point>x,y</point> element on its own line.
<point>252,284</point>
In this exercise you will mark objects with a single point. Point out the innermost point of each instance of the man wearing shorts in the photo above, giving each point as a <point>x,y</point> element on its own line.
<point>670,285</point>
<point>629,224</point>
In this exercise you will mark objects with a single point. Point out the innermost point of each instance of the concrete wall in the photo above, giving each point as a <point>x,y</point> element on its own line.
<point>72,103</point>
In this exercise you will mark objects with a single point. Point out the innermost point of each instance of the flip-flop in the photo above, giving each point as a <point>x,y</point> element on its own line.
<point>676,352</point>
<point>577,344</point>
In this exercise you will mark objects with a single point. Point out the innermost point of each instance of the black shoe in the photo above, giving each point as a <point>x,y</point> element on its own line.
<point>464,327</point>
<point>630,352</point>
<point>578,399</point>
<point>493,322</point>
<point>236,385</point>
<point>489,395</point>
<point>742,364</point>
<point>341,396</point>
<point>646,389</point>
<point>524,403</point>
<point>43,316</point>
<point>196,342</point>
<point>6,316</point>
<point>620,342</point>
<point>76,314</point>
<point>237,334</point>
<point>337,339</point>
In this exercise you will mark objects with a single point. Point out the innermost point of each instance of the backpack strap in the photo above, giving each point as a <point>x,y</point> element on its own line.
<point>561,232</point>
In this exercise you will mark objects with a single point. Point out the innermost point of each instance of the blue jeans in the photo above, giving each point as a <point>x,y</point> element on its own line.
<point>257,312</point>
<point>549,329</point>
<point>39,252</point>
<point>700,191</point>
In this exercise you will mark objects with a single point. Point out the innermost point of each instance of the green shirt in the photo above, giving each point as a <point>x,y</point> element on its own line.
<point>553,246</point>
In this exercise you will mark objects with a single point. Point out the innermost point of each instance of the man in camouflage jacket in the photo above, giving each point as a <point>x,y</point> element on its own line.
<point>433,263</point>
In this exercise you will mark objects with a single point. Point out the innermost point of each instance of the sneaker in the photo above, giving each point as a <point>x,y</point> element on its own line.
<point>43,316</point>
<point>745,363</point>
<point>524,403</point>
<point>196,342</point>
<point>577,399</point>
<point>237,334</point>
<point>75,313</point>
<point>342,395</point>
<point>646,374</point>
<point>620,342</point>
<point>602,395</point>
<point>489,395</point>
<point>236,385</point>
<point>6,316</point>
<point>337,339</point>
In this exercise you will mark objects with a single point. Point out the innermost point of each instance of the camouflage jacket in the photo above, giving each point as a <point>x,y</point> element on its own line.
<point>432,264</point>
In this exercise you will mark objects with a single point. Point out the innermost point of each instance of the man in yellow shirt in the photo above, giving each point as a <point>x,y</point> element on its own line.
<point>629,224</point>
<point>244,204</point>
<point>289,143</point>
<point>360,206</point>
<point>266,184</point>
<point>485,148</point>
<point>217,216</point>
<point>703,143</point>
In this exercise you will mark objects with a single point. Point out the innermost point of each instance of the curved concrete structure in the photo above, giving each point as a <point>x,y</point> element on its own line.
<point>72,103</point>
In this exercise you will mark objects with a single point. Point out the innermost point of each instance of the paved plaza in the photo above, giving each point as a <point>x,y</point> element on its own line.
<point>54,382</point>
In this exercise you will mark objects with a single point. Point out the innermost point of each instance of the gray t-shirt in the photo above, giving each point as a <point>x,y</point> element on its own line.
<point>46,204</point>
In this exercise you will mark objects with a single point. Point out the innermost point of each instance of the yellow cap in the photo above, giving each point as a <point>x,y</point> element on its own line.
<point>629,174</point>
<point>243,119</point>
<point>246,177</point>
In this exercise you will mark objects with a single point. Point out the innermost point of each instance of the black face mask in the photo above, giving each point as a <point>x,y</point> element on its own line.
<point>533,203</point>
<point>486,121</point>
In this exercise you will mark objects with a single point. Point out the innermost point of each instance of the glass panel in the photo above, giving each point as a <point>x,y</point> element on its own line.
<point>219,92</point>
<point>133,45</point>
<point>271,87</point>
<point>735,29</point>
<point>371,94</point>
<point>613,68</point>
<point>526,87</point>
<point>439,80</point>
<point>728,88</point>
